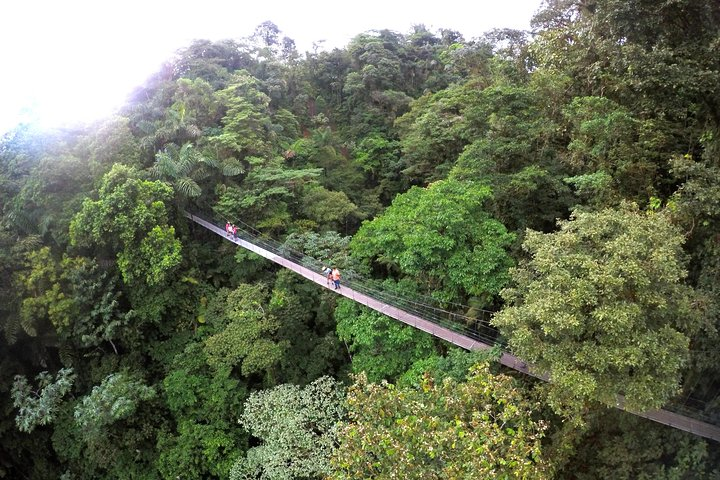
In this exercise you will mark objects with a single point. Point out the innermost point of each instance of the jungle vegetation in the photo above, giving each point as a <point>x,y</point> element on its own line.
<point>566,178</point>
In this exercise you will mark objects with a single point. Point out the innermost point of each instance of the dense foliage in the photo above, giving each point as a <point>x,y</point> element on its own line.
<point>567,179</point>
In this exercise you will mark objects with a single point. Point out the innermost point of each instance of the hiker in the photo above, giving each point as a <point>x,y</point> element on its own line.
<point>327,271</point>
<point>228,228</point>
<point>234,231</point>
<point>336,277</point>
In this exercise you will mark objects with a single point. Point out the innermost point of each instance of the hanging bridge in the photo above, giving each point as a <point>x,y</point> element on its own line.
<point>470,333</point>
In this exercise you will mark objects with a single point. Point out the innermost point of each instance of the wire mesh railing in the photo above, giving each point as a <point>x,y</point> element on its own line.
<point>476,328</point>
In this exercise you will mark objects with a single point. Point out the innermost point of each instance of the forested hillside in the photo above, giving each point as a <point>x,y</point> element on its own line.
<point>567,179</point>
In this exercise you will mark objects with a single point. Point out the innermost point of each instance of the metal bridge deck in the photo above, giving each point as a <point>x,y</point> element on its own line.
<point>665,417</point>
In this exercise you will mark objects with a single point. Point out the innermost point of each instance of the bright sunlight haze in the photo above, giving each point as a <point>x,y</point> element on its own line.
<point>76,61</point>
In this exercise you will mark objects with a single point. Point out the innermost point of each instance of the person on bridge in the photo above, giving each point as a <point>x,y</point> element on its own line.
<point>234,231</point>
<point>327,271</point>
<point>336,277</point>
<point>228,228</point>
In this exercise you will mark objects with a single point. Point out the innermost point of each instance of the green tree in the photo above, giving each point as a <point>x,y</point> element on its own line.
<point>624,447</point>
<point>380,346</point>
<point>203,439</point>
<point>297,427</point>
<point>435,131</point>
<point>246,121</point>
<point>601,305</point>
<point>117,397</point>
<point>130,217</point>
<point>39,406</point>
<point>246,332</point>
<point>442,237</point>
<point>481,428</point>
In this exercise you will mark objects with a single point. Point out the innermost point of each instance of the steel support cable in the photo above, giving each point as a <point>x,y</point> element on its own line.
<point>489,333</point>
<point>262,240</point>
<point>282,247</point>
<point>422,310</point>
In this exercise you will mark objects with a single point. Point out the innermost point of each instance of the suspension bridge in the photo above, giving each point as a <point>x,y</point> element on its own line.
<point>465,332</point>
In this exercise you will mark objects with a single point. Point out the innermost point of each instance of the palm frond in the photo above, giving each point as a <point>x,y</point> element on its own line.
<point>165,166</point>
<point>211,162</point>
<point>27,322</point>
<point>187,186</point>
<point>11,327</point>
<point>232,167</point>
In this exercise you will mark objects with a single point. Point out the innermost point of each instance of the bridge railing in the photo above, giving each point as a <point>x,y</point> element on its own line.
<point>421,306</point>
<point>476,327</point>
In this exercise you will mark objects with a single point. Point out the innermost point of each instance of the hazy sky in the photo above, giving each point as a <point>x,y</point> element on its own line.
<point>76,60</point>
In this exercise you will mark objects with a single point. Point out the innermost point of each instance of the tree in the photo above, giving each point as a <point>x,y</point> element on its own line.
<point>297,427</point>
<point>246,122</point>
<point>328,208</point>
<point>601,305</point>
<point>621,446</point>
<point>130,218</point>
<point>39,407</point>
<point>380,346</point>
<point>435,131</point>
<point>441,236</point>
<point>482,428</point>
<point>117,397</point>
<point>202,439</point>
<point>245,332</point>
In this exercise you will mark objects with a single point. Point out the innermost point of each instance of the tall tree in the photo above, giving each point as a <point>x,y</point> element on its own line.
<point>602,306</point>
<point>481,428</point>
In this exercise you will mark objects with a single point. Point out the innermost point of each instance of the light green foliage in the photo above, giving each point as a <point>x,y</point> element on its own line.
<point>48,294</point>
<point>482,428</point>
<point>246,121</point>
<point>602,306</point>
<point>183,167</point>
<point>380,346</point>
<point>149,263</point>
<point>328,208</point>
<point>116,398</point>
<point>246,331</point>
<point>442,237</point>
<point>265,193</point>
<point>455,364</point>
<point>130,217</point>
<point>74,295</point>
<point>297,427</point>
<point>39,406</point>
<point>329,247</point>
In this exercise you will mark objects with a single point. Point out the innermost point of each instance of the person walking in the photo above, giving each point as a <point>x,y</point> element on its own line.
<point>228,228</point>
<point>336,277</point>
<point>234,231</point>
<point>327,271</point>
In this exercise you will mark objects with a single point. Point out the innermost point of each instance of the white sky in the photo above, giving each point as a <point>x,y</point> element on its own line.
<point>65,61</point>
